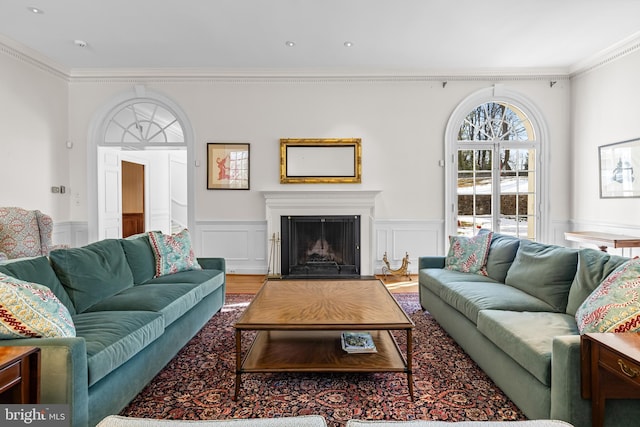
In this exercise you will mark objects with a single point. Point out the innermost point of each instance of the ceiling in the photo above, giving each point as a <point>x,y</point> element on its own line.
<point>386,35</point>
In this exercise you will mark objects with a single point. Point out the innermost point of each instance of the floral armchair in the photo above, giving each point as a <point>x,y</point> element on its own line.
<point>24,233</point>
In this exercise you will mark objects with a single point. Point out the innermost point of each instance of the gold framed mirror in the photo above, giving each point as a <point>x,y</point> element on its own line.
<point>321,161</point>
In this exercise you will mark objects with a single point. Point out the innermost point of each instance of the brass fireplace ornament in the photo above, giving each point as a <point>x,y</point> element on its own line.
<point>317,161</point>
<point>402,271</point>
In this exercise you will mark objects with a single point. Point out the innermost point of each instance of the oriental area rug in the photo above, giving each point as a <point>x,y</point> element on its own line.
<point>198,384</point>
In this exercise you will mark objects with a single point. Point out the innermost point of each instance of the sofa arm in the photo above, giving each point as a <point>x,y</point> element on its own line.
<point>566,401</point>
<point>431,262</point>
<point>212,263</point>
<point>63,373</point>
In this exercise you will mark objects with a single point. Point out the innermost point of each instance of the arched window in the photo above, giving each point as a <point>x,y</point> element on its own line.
<point>497,178</point>
<point>144,124</point>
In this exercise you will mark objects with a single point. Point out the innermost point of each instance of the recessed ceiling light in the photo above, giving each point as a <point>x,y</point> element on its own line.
<point>35,10</point>
<point>290,43</point>
<point>348,44</point>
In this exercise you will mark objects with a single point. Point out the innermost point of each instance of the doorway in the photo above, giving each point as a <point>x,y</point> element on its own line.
<point>148,129</point>
<point>133,208</point>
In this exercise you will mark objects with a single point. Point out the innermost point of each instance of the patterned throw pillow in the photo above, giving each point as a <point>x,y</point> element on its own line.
<point>29,310</point>
<point>173,252</point>
<point>469,254</point>
<point>614,306</point>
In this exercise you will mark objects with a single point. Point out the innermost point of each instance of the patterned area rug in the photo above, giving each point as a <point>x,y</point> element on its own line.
<point>199,382</point>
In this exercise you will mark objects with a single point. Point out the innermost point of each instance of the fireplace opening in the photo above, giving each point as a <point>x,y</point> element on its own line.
<point>320,246</point>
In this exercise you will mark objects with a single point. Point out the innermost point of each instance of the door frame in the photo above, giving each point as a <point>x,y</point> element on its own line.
<point>97,128</point>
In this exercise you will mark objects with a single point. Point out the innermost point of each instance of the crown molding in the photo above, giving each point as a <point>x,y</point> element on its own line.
<point>243,76</point>
<point>27,55</point>
<point>619,50</point>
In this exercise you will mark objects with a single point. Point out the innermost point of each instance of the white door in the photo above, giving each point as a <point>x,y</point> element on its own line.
<point>109,194</point>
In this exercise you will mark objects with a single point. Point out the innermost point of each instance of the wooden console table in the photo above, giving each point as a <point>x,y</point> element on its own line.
<point>610,369</point>
<point>19,375</point>
<point>603,240</point>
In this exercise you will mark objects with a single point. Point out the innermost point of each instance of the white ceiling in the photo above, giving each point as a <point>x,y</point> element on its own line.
<point>387,35</point>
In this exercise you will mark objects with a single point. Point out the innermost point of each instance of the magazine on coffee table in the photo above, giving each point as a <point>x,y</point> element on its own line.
<point>358,342</point>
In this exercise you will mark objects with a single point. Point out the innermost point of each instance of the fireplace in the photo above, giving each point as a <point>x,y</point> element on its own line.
<point>320,203</point>
<point>320,246</point>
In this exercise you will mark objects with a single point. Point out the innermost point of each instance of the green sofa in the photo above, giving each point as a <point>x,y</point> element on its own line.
<point>129,325</point>
<point>518,323</point>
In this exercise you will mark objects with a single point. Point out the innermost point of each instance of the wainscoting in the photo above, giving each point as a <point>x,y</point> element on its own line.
<point>246,246</point>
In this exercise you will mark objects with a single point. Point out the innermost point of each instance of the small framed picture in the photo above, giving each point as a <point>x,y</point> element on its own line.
<point>620,169</point>
<point>227,166</point>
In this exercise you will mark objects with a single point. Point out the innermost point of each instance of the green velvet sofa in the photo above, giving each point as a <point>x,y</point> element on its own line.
<point>129,325</point>
<point>518,323</point>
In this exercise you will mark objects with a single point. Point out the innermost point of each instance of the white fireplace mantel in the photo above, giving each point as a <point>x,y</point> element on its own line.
<point>298,203</point>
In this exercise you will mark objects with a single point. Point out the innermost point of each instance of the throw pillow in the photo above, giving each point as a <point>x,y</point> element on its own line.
<point>140,257</point>
<point>544,271</point>
<point>502,251</point>
<point>173,252</point>
<point>468,254</point>
<point>30,310</point>
<point>614,306</point>
<point>93,272</point>
<point>593,267</point>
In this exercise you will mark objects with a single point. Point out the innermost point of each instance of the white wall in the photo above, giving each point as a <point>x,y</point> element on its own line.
<point>401,121</point>
<point>33,135</point>
<point>606,109</point>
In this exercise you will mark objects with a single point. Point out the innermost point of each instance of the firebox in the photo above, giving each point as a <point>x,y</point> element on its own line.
<point>320,246</point>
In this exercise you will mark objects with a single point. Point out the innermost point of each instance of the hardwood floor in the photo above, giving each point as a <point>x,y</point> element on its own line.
<point>250,283</point>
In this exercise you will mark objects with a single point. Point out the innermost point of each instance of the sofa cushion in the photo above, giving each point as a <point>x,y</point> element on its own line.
<point>173,252</point>
<point>209,279</point>
<point>468,254</point>
<point>172,300</point>
<point>614,306</point>
<point>112,338</point>
<point>593,267</point>
<point>140,257</point>
<point>39,270</point>
<point>30,310</point>
<point>435,279</point>
<point>471,297</point>
<point>93,272</point>
<point>171,295</point>
<point>502,251</point>
<point>531,347</point>
<point>544,271</point>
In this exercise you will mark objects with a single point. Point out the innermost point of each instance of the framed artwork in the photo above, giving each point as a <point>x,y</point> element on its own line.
<point>227,166</point>
<point>620,169</point>
<point>314,161</point>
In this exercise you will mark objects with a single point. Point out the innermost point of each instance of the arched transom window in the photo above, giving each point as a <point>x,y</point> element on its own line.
<point>144,124</point>
<point>497,177</point>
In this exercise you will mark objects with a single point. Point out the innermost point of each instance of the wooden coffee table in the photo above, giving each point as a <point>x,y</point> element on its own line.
<point>299,322</point>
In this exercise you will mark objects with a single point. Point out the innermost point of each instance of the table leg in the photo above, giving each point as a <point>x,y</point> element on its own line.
<point>410,362</point>
<point>597,398</point>
<point>238,363</point>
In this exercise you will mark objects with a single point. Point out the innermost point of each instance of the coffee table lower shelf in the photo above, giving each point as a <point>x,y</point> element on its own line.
<point>319,351</point>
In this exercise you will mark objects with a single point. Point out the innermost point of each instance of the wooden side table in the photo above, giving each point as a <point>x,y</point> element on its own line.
<point>610,369</point>
<point>19,375</point>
